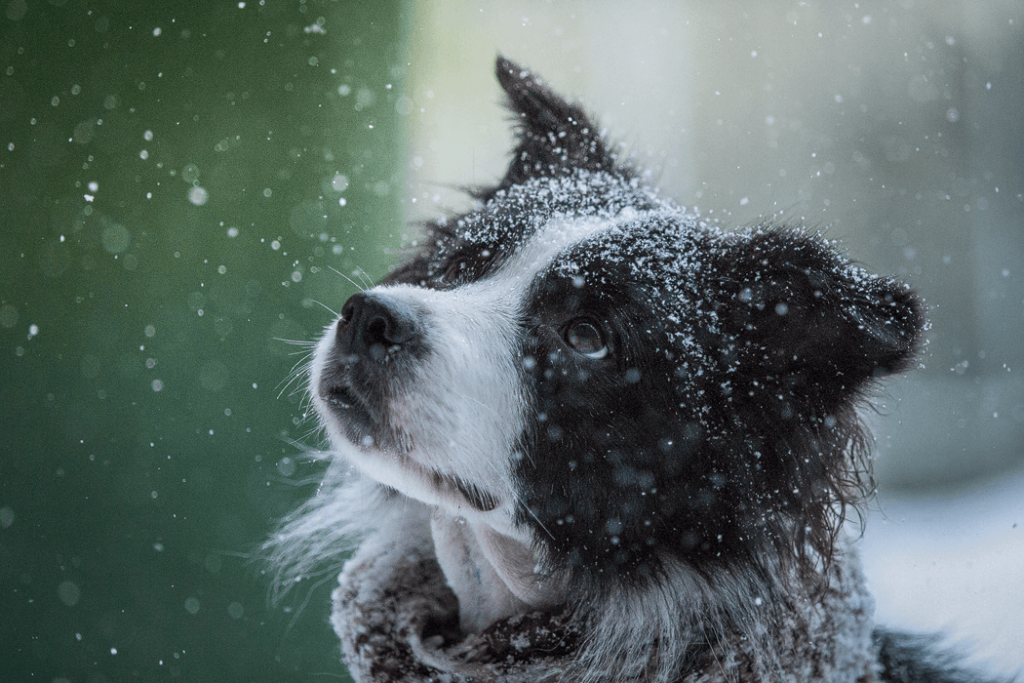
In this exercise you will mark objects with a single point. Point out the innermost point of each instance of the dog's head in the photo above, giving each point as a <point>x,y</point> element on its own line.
<point>602,386</point>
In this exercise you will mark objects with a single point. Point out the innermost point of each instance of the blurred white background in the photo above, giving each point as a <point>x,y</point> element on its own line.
<point>893,126</point>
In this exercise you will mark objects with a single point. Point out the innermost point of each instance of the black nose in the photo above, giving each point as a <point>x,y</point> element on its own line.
<point>372,324</point>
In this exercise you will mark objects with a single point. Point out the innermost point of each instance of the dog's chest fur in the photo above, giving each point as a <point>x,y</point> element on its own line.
<point>395,615</point>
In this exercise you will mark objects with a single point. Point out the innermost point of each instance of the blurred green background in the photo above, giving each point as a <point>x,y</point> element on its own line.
<point>176,181</point>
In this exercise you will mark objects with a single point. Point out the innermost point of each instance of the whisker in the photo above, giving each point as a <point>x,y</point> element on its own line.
<point>519,499</point>
<point>295,342</point>
<point>478,402</point>
<point>329,309</point>
<point>365,278</point>
<point>297,372</point>
<point>355,284</point>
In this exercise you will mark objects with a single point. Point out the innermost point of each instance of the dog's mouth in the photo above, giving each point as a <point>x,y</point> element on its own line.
<point>340,398</point>
<point>352,410</point>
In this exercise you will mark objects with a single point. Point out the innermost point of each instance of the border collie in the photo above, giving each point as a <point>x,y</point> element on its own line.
<point>581,434</point>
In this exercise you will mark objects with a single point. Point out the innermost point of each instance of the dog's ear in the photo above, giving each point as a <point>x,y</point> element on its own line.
<point>554,137</point>
<point>803,328</point>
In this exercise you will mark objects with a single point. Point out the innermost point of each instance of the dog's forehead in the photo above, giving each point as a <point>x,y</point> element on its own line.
<point>665,247</point>
<point>554,237</point>
<point>561,242</point>
<point>524,213</point>
<point>572,223</point>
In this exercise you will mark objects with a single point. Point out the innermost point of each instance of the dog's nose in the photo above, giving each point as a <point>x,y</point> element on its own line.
<point>372,324</point>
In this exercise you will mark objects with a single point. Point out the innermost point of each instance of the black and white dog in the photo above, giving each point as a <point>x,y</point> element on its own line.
<point>583,435</point>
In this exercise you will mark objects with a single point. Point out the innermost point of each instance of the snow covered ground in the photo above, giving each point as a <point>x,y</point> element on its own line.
<point>953,563</point>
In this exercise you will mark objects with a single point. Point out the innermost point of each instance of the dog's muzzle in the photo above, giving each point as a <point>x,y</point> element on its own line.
<point>377,339</point>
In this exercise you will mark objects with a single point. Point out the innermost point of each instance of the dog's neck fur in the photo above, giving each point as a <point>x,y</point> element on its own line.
<point>399,620</point>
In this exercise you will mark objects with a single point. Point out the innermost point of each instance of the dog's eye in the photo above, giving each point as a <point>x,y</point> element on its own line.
<point>468,265</point>
<point>453,272</point>
<point>586,338</point>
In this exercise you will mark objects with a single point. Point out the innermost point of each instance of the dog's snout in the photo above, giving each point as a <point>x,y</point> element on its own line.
<point>373,324</point>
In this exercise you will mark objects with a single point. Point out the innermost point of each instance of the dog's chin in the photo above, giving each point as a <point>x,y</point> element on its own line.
<point>357,437</point>
<point>393,460</point>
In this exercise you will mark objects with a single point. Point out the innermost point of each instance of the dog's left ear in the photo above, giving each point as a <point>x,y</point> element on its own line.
<point>803,328</point>
<point>554,136</point>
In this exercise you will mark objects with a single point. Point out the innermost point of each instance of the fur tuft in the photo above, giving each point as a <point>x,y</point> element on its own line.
<point>908,658</point>
<point>344,511</point>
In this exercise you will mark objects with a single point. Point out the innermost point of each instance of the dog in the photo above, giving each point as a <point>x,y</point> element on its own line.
<point>581,434</point>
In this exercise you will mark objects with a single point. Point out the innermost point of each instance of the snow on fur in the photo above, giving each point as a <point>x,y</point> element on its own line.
<point>580,434</point>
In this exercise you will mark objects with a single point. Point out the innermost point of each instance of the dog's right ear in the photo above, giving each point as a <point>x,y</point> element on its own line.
<point>807,330</point>
<point>554,137</point>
